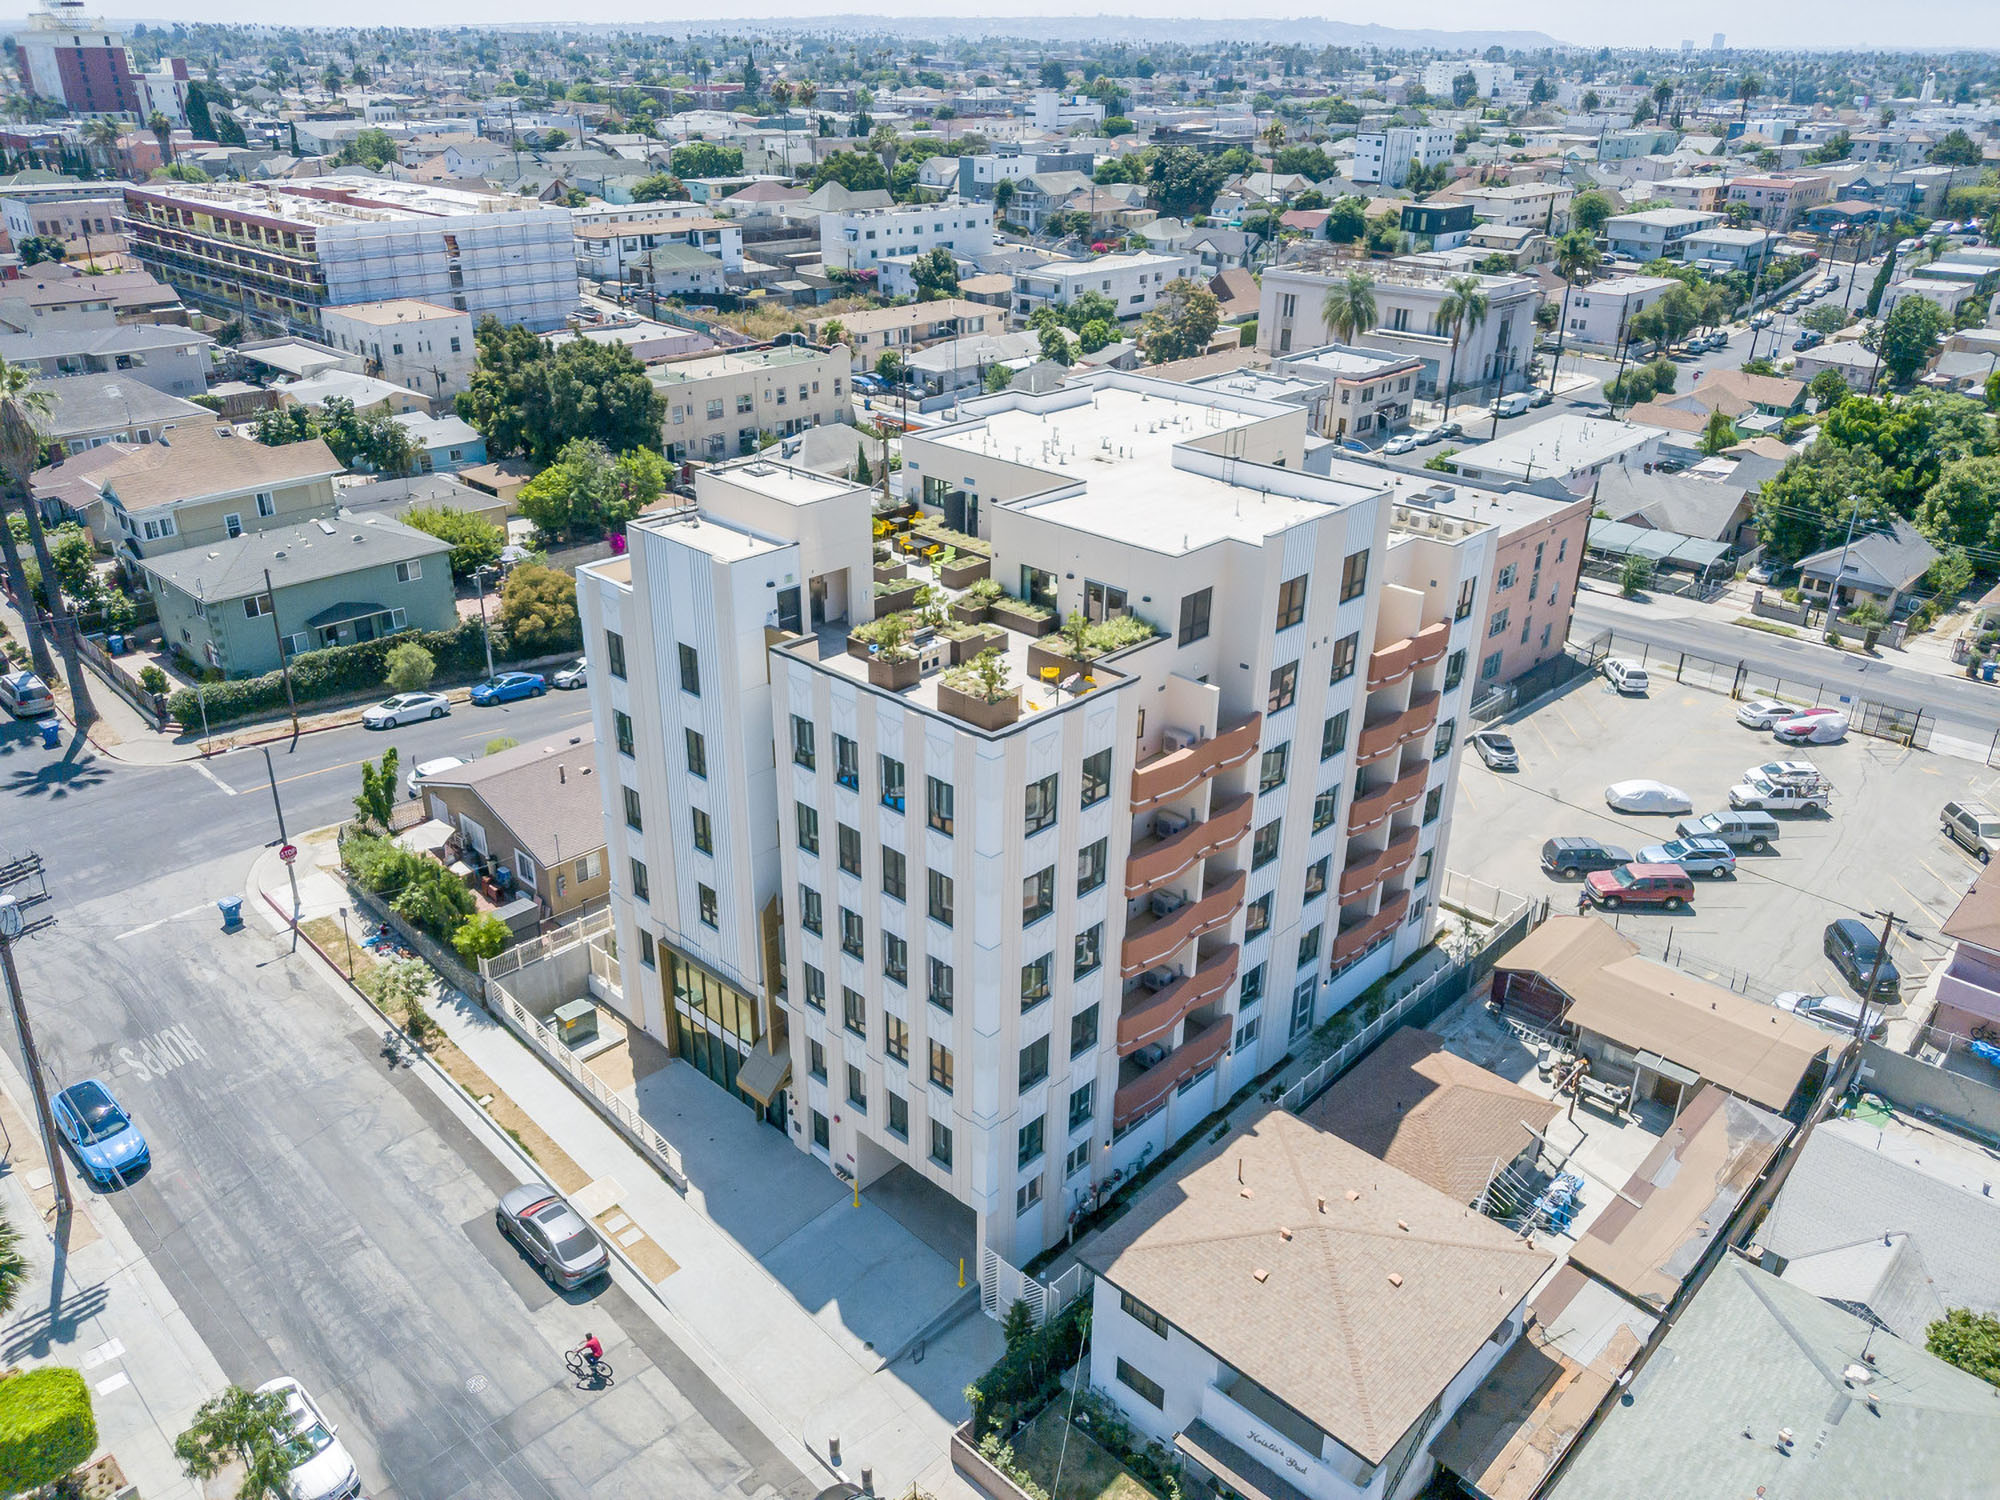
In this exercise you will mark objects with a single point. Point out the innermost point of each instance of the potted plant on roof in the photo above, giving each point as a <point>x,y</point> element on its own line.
<point>979,693</point>
<point>892,595</point>
<point>976,602</point>
<point>894,664</point>
<point>1019,614</point>
<point>957,570</point>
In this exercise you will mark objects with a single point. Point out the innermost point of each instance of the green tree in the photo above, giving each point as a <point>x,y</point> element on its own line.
<point>1826,318</point>
<point>1053,75</point>
<point>1828,390</point>
<point>1836,147</point>
<point>475,541</point>
<point>889,365</point>
<point>857,171</point>
<point>409,668</point>
<point>659,187</point>
<point>936,275</point>
<point>1384,233</point>
<point>1184,181</point>
<point>1806,506</point>
<point>14,1266</point>
<point>373,148</point>
<point>1968,1339</point>
<point>481,936</point>
<point>1463,309</point>
<point>1348,307</point>
<point>1909,337</point>
<point>996,379</point>
<point>241,1426</point>
<point>1056,345</point>
<point>163,132</point>
<point>1720,433</point>
<point>36,248</point>
<point>705,159</point>
<point>1951,575</point>
<point>538,609</point>
<point>1589,209</point>
<point>1018,1325</point>
<point>1993,389</point>
<point>1960,509</point>
<point>75,557</point>
<point>1180,322</point>
<point>24,414</point>
<point>526,399</point>
<point>1880,284</point>
<point>47,1428</point>
<point>1955,149</point>
<point>1095,335</point>
<point>1635,577</point>
<point>1003,197</point>
<point>376,802</point>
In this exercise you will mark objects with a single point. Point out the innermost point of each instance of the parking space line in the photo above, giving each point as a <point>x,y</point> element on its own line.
<point>1922,906</point>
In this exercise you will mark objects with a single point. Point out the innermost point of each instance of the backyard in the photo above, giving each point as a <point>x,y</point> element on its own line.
<point>1088,1472</point>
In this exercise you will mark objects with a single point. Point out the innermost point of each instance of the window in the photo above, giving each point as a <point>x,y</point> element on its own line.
<point>1038,896</point>
<point>1345,650</point>
<point>1194,615</point>
<point>1246,1034</point>
<point>1325,807</point>
<point>1316,873</point>
<point>1083,1030</point>
<point>1467,591</point>
<point>1090,866</point>
<point>1271,772</point>
<point>1035,981</point>
<point>1447,732</point>
<point>940,898</point>
<point>851,932</point>
<point>704,833</point>
<point>1302,1006</point>
<point>1489,668</point>
<point>1041,804</point>
<point>802,742</point>
<point>809,909</point>
<point>1028,1142</point>
<point>1423,868</point>
<point>1454,669</point>
<point>1354,576</point>
<point>941,985</point>
<point>857,1090</point>
<point>896,1043</point>
<point>815,987</point>
<point>1078,1159</point>
<point>1264,848</point>
<point>632,818</point>
<point>1257,917</point>
<point>1082,1103</point>
<point>1101,600</point>
<point>892,782</point>
<point>1333,736</point>
<point>697,752</point>
<point>1029,1193</point>
<point>941,1140</point>
<point>1505,578</point>
<point>808,820</point>
<point>642,889</point>
<point>1034,1062</point>
<point>816,1061</point>
<point>267,504</point>
<point>410,572</point>
<point>847,844</point>
<point>939,801</point>
<point>1291,601</point>
<point>1309,946</point>
<point>895,873</point>
<point>1089,950</point>
<point>690,671</point>
<point>1497,625</point>
<point>1096,777</point>
<point>895,958</point>
<point>1284,688</point>
<point>257,606</point>
<point>233,524</point>
<point>1144,1386</point>
<point>705,905</point>
<point>854,1012</point>
<point>941,1076</point>
<point>646,949</point>
<point>899,1116</point>
<point>1141,1314</point>
<point>1433,802</point>
<point>588,868</point>
<point>1251,988</point>
<point>847,762</point>
<point>621,729</point>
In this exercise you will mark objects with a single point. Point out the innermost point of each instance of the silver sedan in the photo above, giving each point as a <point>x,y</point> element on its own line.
<point>405,708</point>
<point>554,1235</point>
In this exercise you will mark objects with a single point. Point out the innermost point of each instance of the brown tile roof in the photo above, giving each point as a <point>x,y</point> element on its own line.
<point>1566,951</point>
<point>1275,1252</point>
<point>1671,418</point>
<point>1426,1111</point>
<point>1762,447</point>
<point>1764,390</point>
<point>545,793</point>
<point>195,461</point>
<point>650,226</point>
<point>1976,918</point>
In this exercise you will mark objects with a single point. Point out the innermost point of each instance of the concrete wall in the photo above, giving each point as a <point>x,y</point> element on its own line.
<point>1917,1086</point>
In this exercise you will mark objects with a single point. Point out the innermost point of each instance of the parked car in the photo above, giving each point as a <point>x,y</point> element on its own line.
<point>321,1469</point>
<point>106,1142</point>
<point>508,686</point>
<point>1853,945</point>
<point>1497,750</point>
<point>1573,857</point>
<point>1719,339</point>
<point>1763,573</point>
<point>1816,726</point>
<point>1664,886</point>
<point>1835,1013</point>
<point>1516,405</point>
<point>1789,305</point>
<point>1762,713</point>
<point>424,770</point>
<point>1644,796</point>
<point>1710,857</point>
<point>575,675</point>
<point>1784,771</point>
<point>26,696</point>
<point>1809,339</point>
<point>1403,443</point>
<point>1806,796</point>
<point>405,708</point>
<point>1543,397</point>
<point>553,1234</point>
<point>1973,826</point>
<point>1762,320</point>
<point>1755,831</point>
<point>1626,676</point>
<point>868,385</point>
<point>1428,435</point>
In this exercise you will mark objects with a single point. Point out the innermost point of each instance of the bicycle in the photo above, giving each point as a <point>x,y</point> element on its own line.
<point>587,1370</point>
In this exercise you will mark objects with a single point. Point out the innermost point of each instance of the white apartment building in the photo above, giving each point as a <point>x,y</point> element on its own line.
<point>861,239</point>
<point>1134,281</point>
<point>726,403</point>
<point>1521,205</point>
<point>1570,448</point>
<point>418,345</point>
<point>1013,959</point>
<point>611,251</point>
<point>1490,78</point>
<point>1061,113</point>
<point>1386,156</point>
<point>1601,314</point>
<point>1700,194</point>
<point>1655,233</point>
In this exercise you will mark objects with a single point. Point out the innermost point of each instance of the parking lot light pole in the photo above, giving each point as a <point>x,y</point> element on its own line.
<point>11,927</point>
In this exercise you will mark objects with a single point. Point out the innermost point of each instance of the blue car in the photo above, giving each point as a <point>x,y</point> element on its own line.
<point>508,686</point>
<point>103,1136</point>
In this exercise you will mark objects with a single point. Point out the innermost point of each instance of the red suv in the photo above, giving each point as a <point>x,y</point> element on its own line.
<point>1667,886</point>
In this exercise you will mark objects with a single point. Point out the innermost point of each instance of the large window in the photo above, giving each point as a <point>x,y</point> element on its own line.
<point>847,762</point>
<point>1083,1030</point>
<point>704,831</point>
<point>892,782</point>
<point>1345,651</point>
<point>614,653</point>
<point>1038,896</point>
<point>808,820</point>
<point>802,742</point>
<point>1035,981</point>
<point>1284,688</point>
<point>847,846</point>
<point>690,671</point>
<point>1141,1314</point>
<point>854,1012</point>
<point>633,820</point>
<point>1194,615</point>
<point>1326,806</point>
<point>1029,1144</point>
<point>1354,576</point>
<point>642,888</point>
<point>895,958</point>
<point>895,873</point>
<point>1257,917</point>
<point>1040,804</point>
<point>1089,950</point>
<point>1264,847</point>
<point>697,754</point>
<point>1333,736</point>
<point>1271,771</point>
<point>1145,1387</point>
<point>1091,862</point>
<point>1447,732</point>
<point>941,1069</point>
<point>1082,1103</point>
<point>1034,1062</point>
<point>857,1090</point>
<point>809,909</point>
<point>939,800</point>
<point>943,982</point>
<point>621,730</point>
<point>896,1039</point>
<point>941,1135</point>
<point>815,988</point>
<point>940,897</point>
<point>851,942</point>
<point>1096,777</point>
<point>705,905</point>
<point>1291,601</point>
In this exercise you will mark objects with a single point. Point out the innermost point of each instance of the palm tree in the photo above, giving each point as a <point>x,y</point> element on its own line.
<point>1577,260</point>
<point>163,132</point>
<point>1464,308</point>
<point>23,409</point>
<point>808,91</point>
<point>1748,87</point>
<point>101,137</point>
<point>1349,306</point>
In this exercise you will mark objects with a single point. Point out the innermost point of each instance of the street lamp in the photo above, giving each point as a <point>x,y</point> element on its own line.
<point>11,927</point>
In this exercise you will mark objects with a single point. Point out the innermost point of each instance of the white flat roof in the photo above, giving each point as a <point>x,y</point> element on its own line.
<point>1559,446</point>
<point>785,482</point>
<point>719,539</point>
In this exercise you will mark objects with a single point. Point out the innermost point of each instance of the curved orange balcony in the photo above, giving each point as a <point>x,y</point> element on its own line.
<point>1371,808</point>
<point>1381,735</point>
<point>1373,869</point>
<point>1152,944</point>
<point>1174,772</point>
<point>1356,939</point>
<point>1400,658</point>
<point>1152,1086</point>
<point>1154,861</point>
<point>1149,1016</point>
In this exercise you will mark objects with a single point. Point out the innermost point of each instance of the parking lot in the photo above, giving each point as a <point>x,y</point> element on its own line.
<point>1879,847</point>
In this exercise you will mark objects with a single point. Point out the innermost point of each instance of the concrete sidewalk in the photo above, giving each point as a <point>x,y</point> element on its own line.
<point>766,1270</point>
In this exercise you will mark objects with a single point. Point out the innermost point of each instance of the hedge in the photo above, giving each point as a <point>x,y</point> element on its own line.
<point>337,670</point>
<point>1021,1382</point>
<point>46,1427</point>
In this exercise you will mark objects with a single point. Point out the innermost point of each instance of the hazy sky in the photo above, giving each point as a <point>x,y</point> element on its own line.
<point>1805,23</point>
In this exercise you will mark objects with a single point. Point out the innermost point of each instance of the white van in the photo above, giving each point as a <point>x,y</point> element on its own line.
<point>26,696</point>
<point>1517,404</point>
<point>1626,676</point>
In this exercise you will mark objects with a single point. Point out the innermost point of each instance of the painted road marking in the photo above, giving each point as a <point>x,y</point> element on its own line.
<point>162,1052</point>
<point>103,1353</point>
<point>161,922</point>
<point>202,770</point>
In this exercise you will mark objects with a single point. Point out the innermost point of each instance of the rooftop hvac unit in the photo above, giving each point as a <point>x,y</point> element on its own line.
<point>1166,903</point>
<point>1177,738</point>
<point>1167,824</point>
<point>1158,979</point>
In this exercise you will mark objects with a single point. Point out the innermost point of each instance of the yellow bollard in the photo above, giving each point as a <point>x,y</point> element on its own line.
<point>857,1193</point>
<point>961,1273</point>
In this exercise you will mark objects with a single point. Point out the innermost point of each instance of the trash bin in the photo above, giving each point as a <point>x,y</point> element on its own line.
<point>1987,668</point>
<point>232,912</point>
<point>115,644</point>
<point>51,733</point>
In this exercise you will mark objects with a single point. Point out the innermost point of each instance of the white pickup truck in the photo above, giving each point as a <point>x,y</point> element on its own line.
<point>1789,794</point>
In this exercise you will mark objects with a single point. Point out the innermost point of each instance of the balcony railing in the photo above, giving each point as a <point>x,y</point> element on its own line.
<point>1150,1088</point>
<point>1150,1015</point>
<point>1154,861</point>
<point>1149,946</point>
<point>1371,808</point>
<point>1381,735</point>
<point>1174,772</point>
<point>1372,869</point>
<point>1403,657</point>
<point>1357,938</point>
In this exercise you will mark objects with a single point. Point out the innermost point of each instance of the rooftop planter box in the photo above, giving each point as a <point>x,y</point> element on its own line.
<point>970,610</point>
<point>935,532</point>
<point>1029,619</point>
<point>967,641</point>
<point>1065,652</point>
<point>890,598</point>
<point>890,572</point>
<point>974,708</point>
<point>964,570</point>
<point>894,672</point>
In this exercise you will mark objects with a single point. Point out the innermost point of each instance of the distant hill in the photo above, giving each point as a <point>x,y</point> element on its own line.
<point>1136,30</point>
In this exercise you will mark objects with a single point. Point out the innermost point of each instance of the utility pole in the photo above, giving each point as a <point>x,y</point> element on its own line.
<point>12,926</point>
<point>1890,922</point>
<point>284,661</point>
<point>291,866</point>
<point>479,577</point>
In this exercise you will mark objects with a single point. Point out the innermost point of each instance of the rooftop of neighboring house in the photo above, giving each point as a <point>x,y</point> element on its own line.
<point>119,288</point>
<point>1628,286</point>
<point>1104,265</point>
<point>53,341</point>
<point>307,553</point>
<point>545,793</point>
<point>1351,1291</point>
<point>1760,390</point>
<point>907,315</point>
<point>635,227</point>
<point>397,310</point>
<point>1976,918</point>
<point>364,391</point>
<point>81,405</point>
<point>1564,444</point>
<point>1661,218</point>
<point>437,432</point>
<point>1898,556</point>
<point>201,459</point>
<point>732,362</point>
<point>1344,362</point>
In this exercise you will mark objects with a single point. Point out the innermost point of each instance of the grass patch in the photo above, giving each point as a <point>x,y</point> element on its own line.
<point>1769,627</point>
<point>1088,1472</point>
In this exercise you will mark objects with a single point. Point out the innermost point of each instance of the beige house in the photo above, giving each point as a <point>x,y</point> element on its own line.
<point>725,403</point>
<point>872,332</point>
<point>207,485</point>
<point>537,810</point>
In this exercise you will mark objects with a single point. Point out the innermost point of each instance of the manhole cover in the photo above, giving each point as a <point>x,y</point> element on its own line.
<point>476,1384</point>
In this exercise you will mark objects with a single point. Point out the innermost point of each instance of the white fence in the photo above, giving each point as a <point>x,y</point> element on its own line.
<point>1350,1052</point>
<point>535,949</point>
<point>1002,1285</point>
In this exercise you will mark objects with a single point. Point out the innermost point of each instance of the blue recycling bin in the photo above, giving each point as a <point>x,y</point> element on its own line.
<point>1987,668</point>
<point>115,644</point>
<point>51,733</point>
<point>231,908</point>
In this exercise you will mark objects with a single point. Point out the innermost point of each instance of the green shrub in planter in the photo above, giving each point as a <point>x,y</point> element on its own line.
<point>335,671</point>
<point>152,679</point>
<point>46,1427</point>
